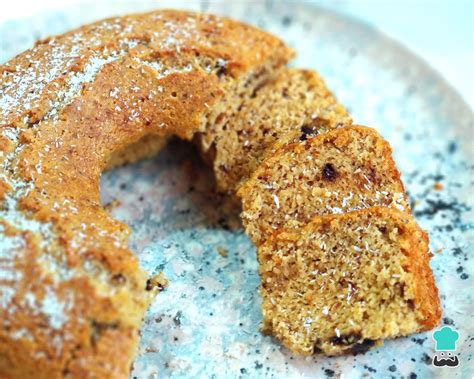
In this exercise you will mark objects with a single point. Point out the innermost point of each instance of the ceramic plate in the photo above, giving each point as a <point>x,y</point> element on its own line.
<point>206,323</point>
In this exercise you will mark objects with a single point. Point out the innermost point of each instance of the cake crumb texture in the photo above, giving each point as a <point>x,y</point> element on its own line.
<point>335,172</point>
<point>343,283</point>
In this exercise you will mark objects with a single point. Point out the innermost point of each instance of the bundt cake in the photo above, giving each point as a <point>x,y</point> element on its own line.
<point>344,282</point>
<point>335,172</point>
<point>72,295</point>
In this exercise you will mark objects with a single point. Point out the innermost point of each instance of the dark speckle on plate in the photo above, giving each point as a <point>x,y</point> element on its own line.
<point>329,373</point>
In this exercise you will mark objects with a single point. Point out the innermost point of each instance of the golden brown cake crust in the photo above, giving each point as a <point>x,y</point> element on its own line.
<point>73,296</point>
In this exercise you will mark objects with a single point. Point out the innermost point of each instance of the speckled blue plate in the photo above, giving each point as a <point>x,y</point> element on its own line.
<point>206,324</point>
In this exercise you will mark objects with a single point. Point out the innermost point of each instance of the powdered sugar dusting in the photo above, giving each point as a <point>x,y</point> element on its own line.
<point>163,71</point>
<point>54,309</point>
<point>76,81</point>
<point>22,89</point>
<point>9,248</point>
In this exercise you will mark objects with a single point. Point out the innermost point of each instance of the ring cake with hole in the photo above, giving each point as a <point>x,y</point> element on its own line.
<point>72,296</point>
<point>343,263</point>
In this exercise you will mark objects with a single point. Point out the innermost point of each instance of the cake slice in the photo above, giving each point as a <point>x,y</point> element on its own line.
<point>296,102</point>
<point>335,172</point>
<point>345,282</point>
